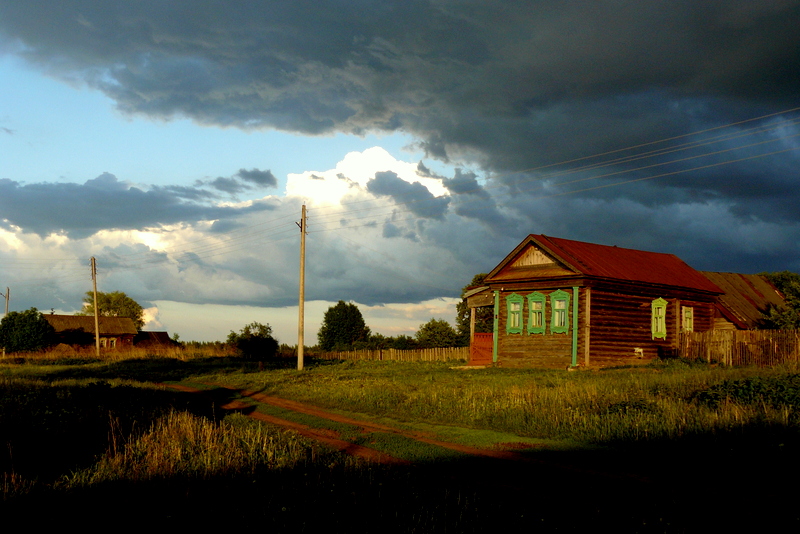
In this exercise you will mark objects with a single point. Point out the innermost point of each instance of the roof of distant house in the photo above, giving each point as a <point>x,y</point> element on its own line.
<point>746,296</point>
<point>109,326</point>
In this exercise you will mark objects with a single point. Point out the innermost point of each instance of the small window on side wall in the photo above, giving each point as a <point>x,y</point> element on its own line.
<point>559,310</point>
<point>514,319</point>
<point>687,319</point>
<point>659,318</point>
<point>536,313</point>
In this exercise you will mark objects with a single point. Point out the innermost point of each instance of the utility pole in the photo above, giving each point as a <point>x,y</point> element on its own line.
<point>96,311</point>
<point>301,306</point>
<point>7,296</point>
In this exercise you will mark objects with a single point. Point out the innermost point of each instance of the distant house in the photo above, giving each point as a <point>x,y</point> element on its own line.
<point>746,298</point>
<point>115,332</point>
<point>563,303</point>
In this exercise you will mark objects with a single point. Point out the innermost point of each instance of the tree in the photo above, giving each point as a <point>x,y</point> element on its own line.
<point>254,341</point>
<point>484,317</point>
<point>25,331</point>
<point>342,326</point>
<point>114,304</point>
<point>436,333</point>
<point>786,317</point>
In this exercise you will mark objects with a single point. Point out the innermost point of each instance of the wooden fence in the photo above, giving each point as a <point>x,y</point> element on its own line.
<point>416,355</point>
<point>742,347</point>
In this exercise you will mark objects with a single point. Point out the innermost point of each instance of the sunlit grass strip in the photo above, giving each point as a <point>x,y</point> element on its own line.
<point>184,445</point>
<point>658,402</point>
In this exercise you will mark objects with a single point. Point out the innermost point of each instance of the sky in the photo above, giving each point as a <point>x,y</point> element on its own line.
<point>176,142</point>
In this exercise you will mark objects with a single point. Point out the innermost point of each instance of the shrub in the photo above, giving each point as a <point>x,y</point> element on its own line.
<point>25,331</point>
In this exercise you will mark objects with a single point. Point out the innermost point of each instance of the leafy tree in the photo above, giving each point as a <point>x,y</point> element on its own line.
<point>25,331</point>
<point>342,326</point>
<point>437,333</point>
<point>786,317</point>
<point>254,341</point>
<point>403,343</point>
<point>114,304</point>
<point>484,317</point>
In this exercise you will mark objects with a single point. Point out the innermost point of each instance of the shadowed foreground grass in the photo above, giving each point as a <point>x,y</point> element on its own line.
<point>674,448</point>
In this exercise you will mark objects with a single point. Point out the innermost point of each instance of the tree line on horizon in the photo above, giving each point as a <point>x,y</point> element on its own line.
<point>343,326</point>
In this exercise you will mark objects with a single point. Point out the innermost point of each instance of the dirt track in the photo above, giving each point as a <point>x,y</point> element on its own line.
<point>333,439</point>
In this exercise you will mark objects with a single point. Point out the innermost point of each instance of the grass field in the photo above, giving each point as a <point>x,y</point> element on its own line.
<point>673,447</point>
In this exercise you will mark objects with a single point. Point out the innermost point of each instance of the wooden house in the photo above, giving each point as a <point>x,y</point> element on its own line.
<point>746,298</point>
<point>115,332</point>
<point>562,303</point>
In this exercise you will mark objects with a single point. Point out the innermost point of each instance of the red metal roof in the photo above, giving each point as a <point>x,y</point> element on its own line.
<point>617,263</point>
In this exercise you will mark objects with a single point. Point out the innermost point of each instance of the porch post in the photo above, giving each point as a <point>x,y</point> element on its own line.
<point>495,327</point>
<point>575,327</point>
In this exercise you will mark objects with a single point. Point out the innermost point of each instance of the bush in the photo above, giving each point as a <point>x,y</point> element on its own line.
<point>25,331</point>
<point>254,342</point>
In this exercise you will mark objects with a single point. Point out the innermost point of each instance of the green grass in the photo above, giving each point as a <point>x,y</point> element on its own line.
<point>660,402</point>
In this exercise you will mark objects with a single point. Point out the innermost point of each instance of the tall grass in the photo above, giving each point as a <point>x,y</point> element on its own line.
<point>181,444</point>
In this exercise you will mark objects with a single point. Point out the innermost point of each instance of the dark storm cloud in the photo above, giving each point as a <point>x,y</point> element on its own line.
<point>509,87</point>
<point>99,204</point>
<point>413,196</point>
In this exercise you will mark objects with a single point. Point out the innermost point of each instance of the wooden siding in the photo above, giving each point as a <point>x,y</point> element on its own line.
<point>535,350</point>
<point>621,324</point>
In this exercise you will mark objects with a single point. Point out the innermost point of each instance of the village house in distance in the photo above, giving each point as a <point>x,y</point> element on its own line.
<point>115,332</point>
<point>562,303</point>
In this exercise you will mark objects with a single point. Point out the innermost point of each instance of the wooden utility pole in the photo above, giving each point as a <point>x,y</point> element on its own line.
<point>7,296</point>
<point>96,311</point>
<point>301,306</point>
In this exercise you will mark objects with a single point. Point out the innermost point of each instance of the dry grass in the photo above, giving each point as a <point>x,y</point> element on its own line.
<point>67,352</point>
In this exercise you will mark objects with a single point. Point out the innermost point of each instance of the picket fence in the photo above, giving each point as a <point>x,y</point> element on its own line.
<point>742,347</point>
<point>416,355</point>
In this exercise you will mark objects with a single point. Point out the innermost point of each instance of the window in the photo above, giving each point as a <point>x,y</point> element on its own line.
<point>536,313</point>
<point>112,343</point>
<point>659,318</point>
<point>103,342</point>
<point>687,318</point>
<point>514,320</point>
<point>559,306</point>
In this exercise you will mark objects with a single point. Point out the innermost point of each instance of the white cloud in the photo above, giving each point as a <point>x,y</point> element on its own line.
<point>351,175</point>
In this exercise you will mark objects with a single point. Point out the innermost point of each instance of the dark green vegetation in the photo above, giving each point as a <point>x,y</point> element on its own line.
<point>254,342</point>
<point>342,327</point>
<point>25,331</point>
<point>437,333</point>
<point>665,448</point>
<point>787,317</point>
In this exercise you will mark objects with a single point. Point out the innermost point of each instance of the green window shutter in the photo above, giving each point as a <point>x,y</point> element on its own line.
<point>559,312</point>
<point>514,318</point>
<point>659,318</point>
<point>536,304</point>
